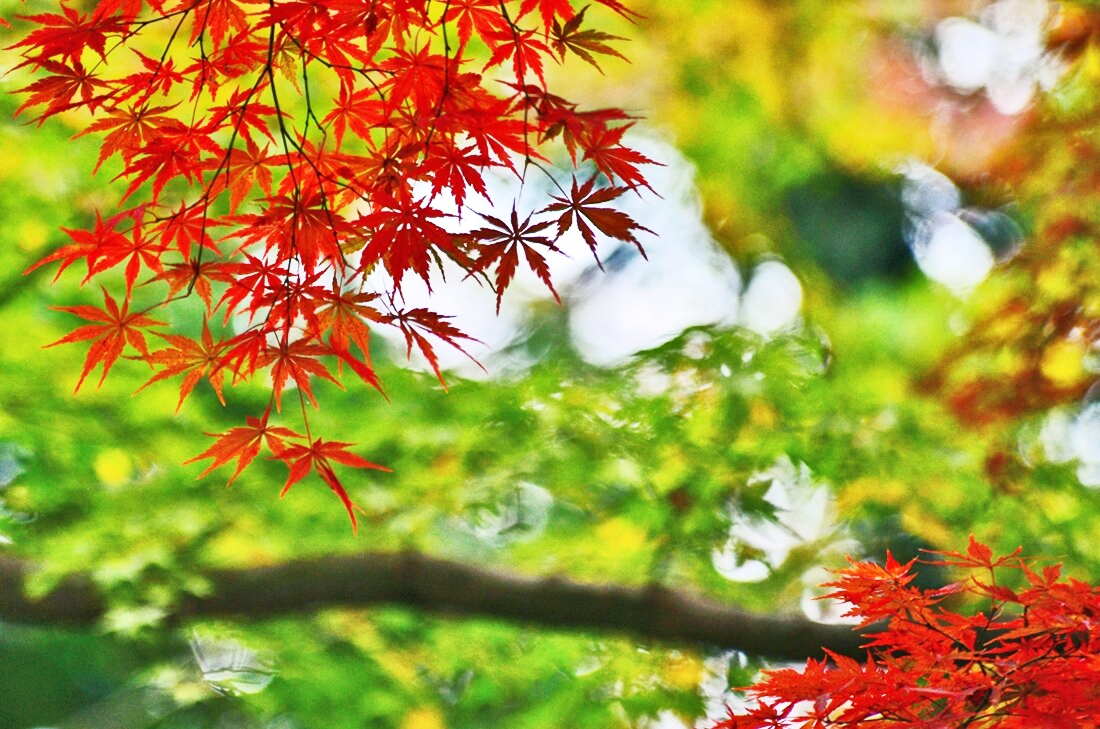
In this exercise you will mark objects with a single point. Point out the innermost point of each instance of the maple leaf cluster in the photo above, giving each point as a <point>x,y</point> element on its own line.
<point>276,154</point>
<point>1030,657</point>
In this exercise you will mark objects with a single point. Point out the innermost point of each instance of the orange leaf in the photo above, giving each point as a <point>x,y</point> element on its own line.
<point>116,328</point>
<point>319,455</point>
<point>243,444</point>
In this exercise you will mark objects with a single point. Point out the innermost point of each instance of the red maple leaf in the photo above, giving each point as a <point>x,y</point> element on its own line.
<point>86,244</point>
<point>253,280</point>
<point>57,91</point>
<point>319,455</point>
<point>194,360</point>
<point>604,147</point>
<point>172,151</point>
<point>299,226</point>
<point>215,18</point>
<point>243,444</point>
<point>404,237</point>
<point>415,324</point>
<point>247,168</point>
<point>298,361</point>
<point>355,110</point>
<point>482,16</point>
<point>581,208</point>
<point>129,128</point>
<point>104,247</point>
<point>1025,661</point>
<point>501,244</point>
<point>523,47</point>
<point>195,275</point>
<point>550,10</point>
<point>453,168</point>
<point>584,43</point>
<point>344,314</point>
<point>66,36</point>
<point>117,327</point>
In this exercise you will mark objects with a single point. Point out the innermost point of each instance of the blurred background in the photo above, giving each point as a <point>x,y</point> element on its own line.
<point>867,321</point>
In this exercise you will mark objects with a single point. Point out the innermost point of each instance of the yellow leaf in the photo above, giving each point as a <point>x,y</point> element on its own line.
<point>1062,363</point>
<point>620,537</point>
<point>917,520</point>
<point>682,672</point>
<point>113,467</point>
<point>424,718</point>
<point>762,415</point>
<point>868,489</point>
<point>1058,506</point>
<point>32,235</point>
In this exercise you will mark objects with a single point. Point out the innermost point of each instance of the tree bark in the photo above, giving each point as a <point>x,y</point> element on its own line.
<point>445,587</point>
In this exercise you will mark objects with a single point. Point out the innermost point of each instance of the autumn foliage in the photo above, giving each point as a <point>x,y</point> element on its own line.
<point>1026,349</point>
<point>1026,658</point>
<point>292,164</point>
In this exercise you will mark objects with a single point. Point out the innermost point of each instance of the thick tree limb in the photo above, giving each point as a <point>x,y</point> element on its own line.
<point>442,586</point>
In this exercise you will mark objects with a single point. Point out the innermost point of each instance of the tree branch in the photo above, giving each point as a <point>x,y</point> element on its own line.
<point>441,586</point>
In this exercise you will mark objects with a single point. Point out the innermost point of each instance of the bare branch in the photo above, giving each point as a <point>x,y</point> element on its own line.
<point>451,588</point>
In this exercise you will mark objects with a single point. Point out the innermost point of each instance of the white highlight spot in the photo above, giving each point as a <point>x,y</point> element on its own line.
<point>951,252</point>
<point>1004,53</point>
<point>948,249</point>
<point>1067,438</point>
<point>968,53</point>
<point>804,514</point>
<point>773,299</point>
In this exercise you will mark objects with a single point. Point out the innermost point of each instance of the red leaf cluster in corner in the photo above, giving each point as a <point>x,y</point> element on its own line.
<point>1028,657</point>
<point>272,155</point>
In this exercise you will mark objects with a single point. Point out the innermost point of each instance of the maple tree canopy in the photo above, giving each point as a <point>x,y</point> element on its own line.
<point>275,212</point>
